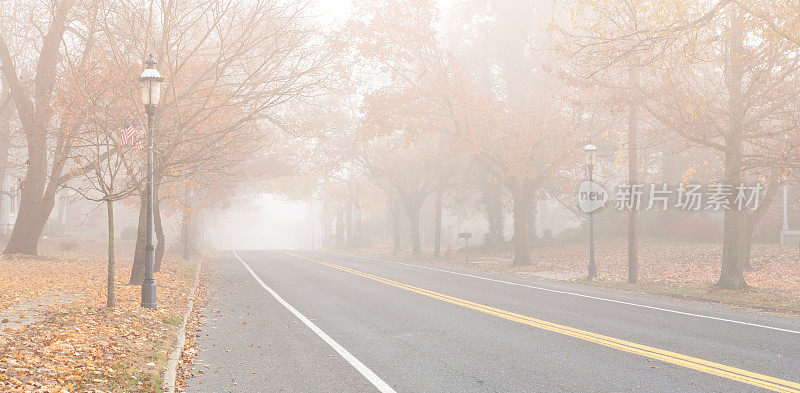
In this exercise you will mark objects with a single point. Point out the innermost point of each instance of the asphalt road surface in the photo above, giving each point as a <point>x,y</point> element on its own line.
<point>322,322</point>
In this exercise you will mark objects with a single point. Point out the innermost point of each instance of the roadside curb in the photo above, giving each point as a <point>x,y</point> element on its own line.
<point>171,372</point>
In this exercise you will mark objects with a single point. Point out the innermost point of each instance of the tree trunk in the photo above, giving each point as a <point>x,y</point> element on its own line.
<point>396,224</point>
<point>633,178</point>
<point>196,244</point>
<point>327,228</point>
<point>492,197</point>
<point>340,225</point>
<point>532,235</point>
<point>159,229</point>
<point>348,219</point>
<point>752,218</point>
<point>437,230</point>
<point>110,298</point>
<point>34,112</point>
<point>522,250</point>
<point>6,113</point>
<point>185,224</point>
<point>412,213</point>
<point>357,237</point>
<point>732,274</point>
<point>137,270</point>
<point>33,208</point>
<point>746,240</point>
<point>31,219</point>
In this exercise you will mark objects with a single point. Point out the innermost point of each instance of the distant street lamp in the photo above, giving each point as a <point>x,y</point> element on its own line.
<point>591,155</point>
<point>151,93</point>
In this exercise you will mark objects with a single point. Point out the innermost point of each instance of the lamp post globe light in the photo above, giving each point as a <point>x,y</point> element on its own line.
<point>151,93</point>
<point>591,156</point>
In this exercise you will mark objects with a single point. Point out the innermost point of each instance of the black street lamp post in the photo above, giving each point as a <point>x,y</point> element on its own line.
<point>591,152</point>
<point>151,93</point>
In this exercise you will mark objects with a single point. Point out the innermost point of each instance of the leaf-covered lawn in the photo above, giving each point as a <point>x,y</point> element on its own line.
<point>80,345</point>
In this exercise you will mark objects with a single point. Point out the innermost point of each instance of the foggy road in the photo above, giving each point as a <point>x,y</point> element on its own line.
<point>324,322</point>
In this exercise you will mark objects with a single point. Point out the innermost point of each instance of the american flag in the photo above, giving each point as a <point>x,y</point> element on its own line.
<point>139,139</point>
<point>132,135</point>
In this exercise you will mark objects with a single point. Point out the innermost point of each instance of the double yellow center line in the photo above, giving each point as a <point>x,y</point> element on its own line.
<point>755,379</point>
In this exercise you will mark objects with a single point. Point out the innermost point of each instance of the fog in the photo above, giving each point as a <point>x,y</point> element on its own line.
<point>412,164</point>
<point>268,222</point>
<point>524,128</point>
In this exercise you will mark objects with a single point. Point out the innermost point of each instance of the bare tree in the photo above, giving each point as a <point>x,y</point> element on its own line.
<point>106,171</point>
<point>47,142</point>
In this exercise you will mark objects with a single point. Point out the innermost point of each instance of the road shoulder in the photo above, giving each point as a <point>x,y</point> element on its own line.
<point>249,342</point>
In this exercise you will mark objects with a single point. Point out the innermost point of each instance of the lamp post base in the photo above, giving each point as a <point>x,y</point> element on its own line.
<point>592,270</point>
<point>149,295</point>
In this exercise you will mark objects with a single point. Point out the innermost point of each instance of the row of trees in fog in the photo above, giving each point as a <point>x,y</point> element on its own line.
<point>503,95</point>
<point>486,100</point>
<point>70,72</point>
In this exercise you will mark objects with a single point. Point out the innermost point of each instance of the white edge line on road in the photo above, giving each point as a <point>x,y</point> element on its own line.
<point>575,294</point>
<point>363,369</point>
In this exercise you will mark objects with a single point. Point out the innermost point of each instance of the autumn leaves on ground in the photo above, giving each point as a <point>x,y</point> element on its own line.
<point>668,267</point>
<point>57,335</point>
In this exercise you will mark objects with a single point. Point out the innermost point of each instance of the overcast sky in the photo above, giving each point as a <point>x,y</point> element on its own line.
<point>337,11</point>
<point>333,11</point>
